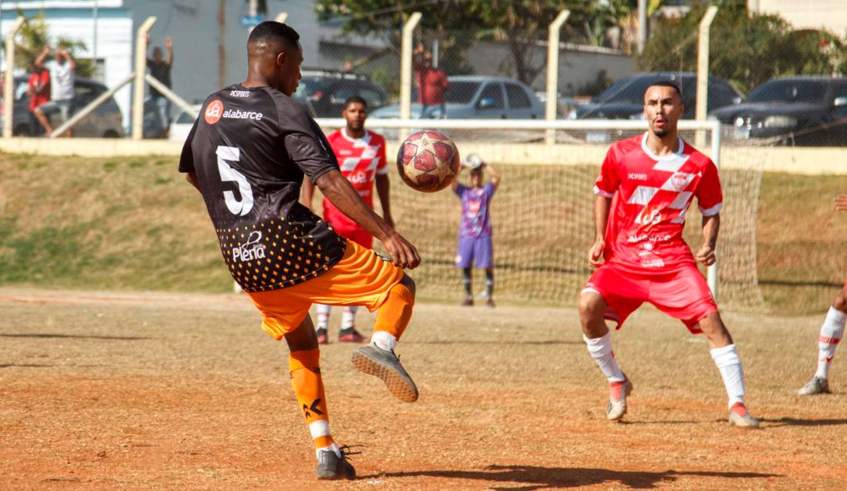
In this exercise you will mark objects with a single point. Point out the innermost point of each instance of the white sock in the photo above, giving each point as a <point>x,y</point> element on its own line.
<point>323,316</point>
<point>601,350</point>
<point>318,429</point>
<point>348,318</point>
<point>832,331</point>
<point>729,364</point>
<point>384,340</point>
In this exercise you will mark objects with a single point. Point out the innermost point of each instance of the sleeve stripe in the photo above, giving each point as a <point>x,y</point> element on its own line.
<point>602,193</point>
<point>708,212</point>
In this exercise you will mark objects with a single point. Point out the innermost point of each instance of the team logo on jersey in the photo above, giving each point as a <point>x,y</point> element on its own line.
<point>250,250</point>
<point>239,93</point>
<point>214,111</point>
<point>358,177</point>
<point>681,180</point>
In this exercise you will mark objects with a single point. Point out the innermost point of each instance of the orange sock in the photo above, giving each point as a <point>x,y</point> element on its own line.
<point>395,313</point>
<point>304,367</point>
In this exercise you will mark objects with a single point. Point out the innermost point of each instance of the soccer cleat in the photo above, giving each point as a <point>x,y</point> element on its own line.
<point>350,335</point>
<point>490,303</point>
<point>386,365</point>
<point>739,416</point>
<point>332,467</point>
<point>618,391</point>
<point>322,336</point>
<point>467,302</point>
<point>817,385</point>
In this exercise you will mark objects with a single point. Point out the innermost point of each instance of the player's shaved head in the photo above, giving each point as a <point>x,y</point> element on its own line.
<point>273,57</point>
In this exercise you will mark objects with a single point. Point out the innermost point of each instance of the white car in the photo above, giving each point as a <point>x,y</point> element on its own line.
<point>181,124</point>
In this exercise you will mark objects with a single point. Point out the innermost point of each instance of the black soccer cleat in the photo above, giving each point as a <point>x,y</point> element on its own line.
<point>331,467</point>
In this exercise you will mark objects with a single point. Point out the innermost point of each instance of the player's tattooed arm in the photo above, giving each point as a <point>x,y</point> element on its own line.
<point>602,205</point>
<point>711,227</point>
<point>841,202</point>
<point>342,194</point>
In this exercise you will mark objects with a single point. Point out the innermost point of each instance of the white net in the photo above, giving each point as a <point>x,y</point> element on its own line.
<point>542,220</point>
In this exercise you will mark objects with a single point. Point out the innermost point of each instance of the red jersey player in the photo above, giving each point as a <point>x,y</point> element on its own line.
<point>645,187</point>
<point>832,331</point>
<point>361,156</point>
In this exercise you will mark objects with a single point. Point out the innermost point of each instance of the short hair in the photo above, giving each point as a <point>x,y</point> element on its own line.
<point>667,83</point>
<point>272,31</point>
<point>355,99</point>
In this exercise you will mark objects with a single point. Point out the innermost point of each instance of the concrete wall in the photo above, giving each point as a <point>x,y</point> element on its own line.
<point>805,161</point>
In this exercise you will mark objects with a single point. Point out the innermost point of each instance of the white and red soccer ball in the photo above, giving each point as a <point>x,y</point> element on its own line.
<point>428,161</point>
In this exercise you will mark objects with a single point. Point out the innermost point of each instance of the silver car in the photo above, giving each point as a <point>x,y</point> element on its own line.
<point>480,97</point>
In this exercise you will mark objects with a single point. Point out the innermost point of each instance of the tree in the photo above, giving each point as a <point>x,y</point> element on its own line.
<point>35,35</point>
<point>746,50</point>
<point>520,25</point>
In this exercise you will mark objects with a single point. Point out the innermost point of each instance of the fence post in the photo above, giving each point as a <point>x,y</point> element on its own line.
<point>281,17</point>
<point>642,25</point>
<point>140,71</point>
<point>9,79</point>
<point>553,71</point>
<point>406,70</point>
<point>703,73</point>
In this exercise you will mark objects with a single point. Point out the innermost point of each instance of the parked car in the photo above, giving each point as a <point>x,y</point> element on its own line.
<point>104,122</point>
<point>801,110</point>
<point>181,125</point>
<point>480,97</point>
<point>324,93</point>
<point>625,98</point>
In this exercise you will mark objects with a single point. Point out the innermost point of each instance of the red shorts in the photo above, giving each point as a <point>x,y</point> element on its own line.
<point>682,294</point>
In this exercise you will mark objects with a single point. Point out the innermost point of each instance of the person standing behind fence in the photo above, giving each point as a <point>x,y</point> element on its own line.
<point>38,89</point>
<point>432,85</point>
<point>62,77</point>
<point>160,69</point>
<point>475,227</point>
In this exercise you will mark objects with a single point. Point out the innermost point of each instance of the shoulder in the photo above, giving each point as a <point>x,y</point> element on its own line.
<point>696,157</point>
<point>621,148</point>
<point>376,138</point>
<point>334,137</point>
<point>291,113</point>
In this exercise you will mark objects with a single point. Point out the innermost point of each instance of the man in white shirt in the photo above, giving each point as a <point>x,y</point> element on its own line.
<point>61,68</point>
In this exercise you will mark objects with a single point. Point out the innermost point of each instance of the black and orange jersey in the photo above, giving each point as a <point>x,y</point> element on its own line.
<point>250,149</point>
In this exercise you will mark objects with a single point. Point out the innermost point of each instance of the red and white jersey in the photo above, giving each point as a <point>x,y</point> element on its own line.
<point>651,195</point>
<point>360,160</point>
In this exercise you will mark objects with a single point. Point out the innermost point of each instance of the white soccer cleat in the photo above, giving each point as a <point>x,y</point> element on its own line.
<point>739,416</point>
<point>815,386</point>
<point>618,391</point>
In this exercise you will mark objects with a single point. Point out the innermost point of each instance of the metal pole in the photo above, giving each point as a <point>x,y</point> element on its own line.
<point>406,70</point>
<point>9,79</point>
<point>553,71</point>
<point>642,25</point>
<point>165,91</point>
<point>91,107</point>
<point>222,43</point>
<point>94,40</point>
<point>436,48</point>
<point>140,70</point>
<point>703,72</point>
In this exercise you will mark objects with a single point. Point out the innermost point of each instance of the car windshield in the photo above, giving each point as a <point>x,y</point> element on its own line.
<point>630,89</point>
<point>308,86</point>
<point>789,91</point>
<point>461,92</point>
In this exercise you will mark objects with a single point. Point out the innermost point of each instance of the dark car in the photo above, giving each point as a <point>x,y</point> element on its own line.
<point>324,95</point>
<point>625,98</point>
<point>801,110</point>
<point>105,122</point>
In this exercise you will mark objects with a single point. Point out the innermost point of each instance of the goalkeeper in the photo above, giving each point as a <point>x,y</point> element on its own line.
<point>475,226</point>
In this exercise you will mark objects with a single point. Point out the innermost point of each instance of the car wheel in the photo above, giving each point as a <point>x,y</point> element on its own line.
<point>111,134</point>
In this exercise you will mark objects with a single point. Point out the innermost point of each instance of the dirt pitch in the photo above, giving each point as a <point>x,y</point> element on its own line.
<point>172,391</point>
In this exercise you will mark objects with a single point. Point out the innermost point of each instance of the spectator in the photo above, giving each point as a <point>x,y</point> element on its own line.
<point>160,69</point>
<point>62,76</point>
<point>432,85</point>
<point>38,89</point>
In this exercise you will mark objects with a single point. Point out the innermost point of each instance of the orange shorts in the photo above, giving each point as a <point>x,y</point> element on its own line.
<point>361,277</point>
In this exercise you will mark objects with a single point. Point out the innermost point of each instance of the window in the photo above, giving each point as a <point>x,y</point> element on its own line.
<point>517,96</point>
<point>494,92</point>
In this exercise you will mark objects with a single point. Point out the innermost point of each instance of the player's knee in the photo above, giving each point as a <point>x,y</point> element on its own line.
<point>840,302</point>
<point>590,306</point>
<point>409,283</point>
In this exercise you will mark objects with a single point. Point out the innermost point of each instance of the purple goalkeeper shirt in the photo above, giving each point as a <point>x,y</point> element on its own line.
<point>476,220</point>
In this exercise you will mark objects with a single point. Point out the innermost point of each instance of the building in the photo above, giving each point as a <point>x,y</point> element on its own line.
<point>826,14</point>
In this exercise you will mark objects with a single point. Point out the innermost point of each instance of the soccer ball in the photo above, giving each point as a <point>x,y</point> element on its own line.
<point>428,161</point>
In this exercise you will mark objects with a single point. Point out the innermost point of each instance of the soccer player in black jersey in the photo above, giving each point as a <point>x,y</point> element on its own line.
<point>247,155</point>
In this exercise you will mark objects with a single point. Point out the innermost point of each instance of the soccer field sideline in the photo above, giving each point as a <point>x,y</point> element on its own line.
<point>179,391</point>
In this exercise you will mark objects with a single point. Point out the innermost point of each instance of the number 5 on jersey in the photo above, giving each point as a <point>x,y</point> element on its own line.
<point>228,174</point>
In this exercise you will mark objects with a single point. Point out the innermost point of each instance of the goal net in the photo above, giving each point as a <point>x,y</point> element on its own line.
<point>542,213</point>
